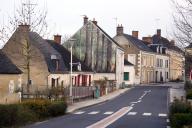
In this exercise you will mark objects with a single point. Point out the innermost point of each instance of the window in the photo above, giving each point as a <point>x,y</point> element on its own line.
<point>167,75</point>
<point>166,63</point>
<point>126,75</point>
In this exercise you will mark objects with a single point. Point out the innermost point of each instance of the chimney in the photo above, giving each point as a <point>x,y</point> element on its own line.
<point>85,20</point>
<point>172,42</point>
<point>94,21</point>
<point>135,34</point>
<point>159,32</point>
<point>57,38</point>
<point>24,28</point>
<point>147,40</point>
<point>119,30</point>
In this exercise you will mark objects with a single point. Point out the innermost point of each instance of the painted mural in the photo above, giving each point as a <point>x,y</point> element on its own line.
<point>95,48</point>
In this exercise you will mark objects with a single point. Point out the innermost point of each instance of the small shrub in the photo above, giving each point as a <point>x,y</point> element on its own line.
<point>188,85</point>
<point>40,107</point>
<point>189,94</point>
<point>179,120</point>
<point>57,109</point>
<point>180,107</point>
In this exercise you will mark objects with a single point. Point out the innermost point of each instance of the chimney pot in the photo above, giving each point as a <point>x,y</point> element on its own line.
<point>119,30</point>
<point>85,20</point>
<point>24,28</point>
<point>94,21</point>
<point>147,40</point>
<point>57,38</point>
<point>159,32</point>
<point>135,34</point>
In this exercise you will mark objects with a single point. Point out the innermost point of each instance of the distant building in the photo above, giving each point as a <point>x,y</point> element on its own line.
<point>10,80</point>
<point>98,51</point>
<point>175,53</point>
<point>139,54</point>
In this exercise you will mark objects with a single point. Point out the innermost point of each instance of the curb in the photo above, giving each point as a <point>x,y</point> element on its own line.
<point>97,103</point>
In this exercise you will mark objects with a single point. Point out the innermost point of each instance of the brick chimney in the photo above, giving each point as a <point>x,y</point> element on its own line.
<point>135,34</point>
<point>159,32</point>
<point>57,38</point>
<point>147,40</point>
<point>85,20</point>
<point>94,21</point>
<point>119,30</point>
<point>172,42</point>
<point>24,28</point>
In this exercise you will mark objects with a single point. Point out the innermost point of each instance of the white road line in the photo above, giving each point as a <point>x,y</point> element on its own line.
<point>93,113</point>
<point>132,113</point>
<point>78,113</point>
<point>168,127</point>
<point>162,115</point>
<point>146,114</point>
<point>132,105</point>
<point>167,120</point>
<point>110,119</point>
<point>108,113</point>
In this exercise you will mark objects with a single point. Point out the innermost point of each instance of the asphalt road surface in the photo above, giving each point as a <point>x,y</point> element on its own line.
<point>140,107</point>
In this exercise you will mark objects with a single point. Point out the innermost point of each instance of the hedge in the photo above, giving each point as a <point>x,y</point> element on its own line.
<point>179,120</point>
<point>189,94</point>
<point>30,111</point>
<point>180,107</point>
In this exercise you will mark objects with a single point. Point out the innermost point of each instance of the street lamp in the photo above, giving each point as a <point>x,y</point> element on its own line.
<point>72,41</point>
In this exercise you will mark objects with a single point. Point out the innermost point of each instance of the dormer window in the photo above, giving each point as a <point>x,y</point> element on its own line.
<point>55,62</point>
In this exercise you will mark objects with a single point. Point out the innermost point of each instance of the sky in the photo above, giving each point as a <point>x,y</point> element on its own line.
<point>65,16</point>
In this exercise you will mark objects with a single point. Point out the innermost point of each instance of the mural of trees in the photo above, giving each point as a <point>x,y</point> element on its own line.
<point>94,48</point>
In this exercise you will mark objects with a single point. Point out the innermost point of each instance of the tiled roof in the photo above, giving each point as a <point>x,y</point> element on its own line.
<point>66,57</point>
<point>6,65</point>
<point>165,42</point>
<point>107,35</point>
<point>47,52</point>
<point>127,63</point>
<point>138,43</point>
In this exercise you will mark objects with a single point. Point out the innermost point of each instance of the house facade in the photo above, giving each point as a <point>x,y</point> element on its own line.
<point>10,77</point>
<point>93,46</point>
<point>49,61</point>
<point>176,60</point>
<point>137,53</point>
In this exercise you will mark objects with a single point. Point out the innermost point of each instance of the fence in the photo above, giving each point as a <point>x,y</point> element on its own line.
<point>59,93</point>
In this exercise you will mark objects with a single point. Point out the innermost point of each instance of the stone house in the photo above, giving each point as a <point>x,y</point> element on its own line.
<point>137,53</point>
<point>48,66</point>
<point>98,51</point>
<point>176,55</point>
<point>10,77</point>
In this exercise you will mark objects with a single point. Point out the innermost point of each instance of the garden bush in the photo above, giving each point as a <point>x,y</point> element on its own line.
<point>179,120</point>
<point>189,94</point>
<point>30,111</point>
<point>180,107</point>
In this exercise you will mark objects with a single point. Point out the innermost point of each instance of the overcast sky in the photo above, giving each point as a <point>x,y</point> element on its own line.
<point>65,16</point>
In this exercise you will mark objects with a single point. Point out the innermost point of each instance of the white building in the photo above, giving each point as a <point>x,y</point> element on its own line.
<point>129,73</point>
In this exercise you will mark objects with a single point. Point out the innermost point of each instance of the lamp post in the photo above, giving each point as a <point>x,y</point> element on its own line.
<point>71,66</point>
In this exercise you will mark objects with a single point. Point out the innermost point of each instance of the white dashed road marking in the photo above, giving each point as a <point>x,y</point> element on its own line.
<point>132,113</point>
<point>80,112</point>
<point>146,114</point>
<point>162,115</point>
<point>167,120</point>
<point>168,127</point>
<point>93,113</point>
<point>108,113</point>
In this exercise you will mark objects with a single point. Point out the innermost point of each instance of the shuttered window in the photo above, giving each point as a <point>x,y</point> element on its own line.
<point>126,75</point>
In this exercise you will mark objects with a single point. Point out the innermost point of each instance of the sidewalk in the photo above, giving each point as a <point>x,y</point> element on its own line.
<point>91,102</point>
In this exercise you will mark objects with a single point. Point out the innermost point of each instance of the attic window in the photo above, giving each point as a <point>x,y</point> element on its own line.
<point>53,57</point>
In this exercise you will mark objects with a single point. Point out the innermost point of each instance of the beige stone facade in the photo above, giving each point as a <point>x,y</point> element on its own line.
<point>7,93</point>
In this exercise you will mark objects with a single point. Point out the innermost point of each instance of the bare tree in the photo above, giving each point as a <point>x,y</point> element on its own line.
<point>26,14</point>
<point>182,18</point>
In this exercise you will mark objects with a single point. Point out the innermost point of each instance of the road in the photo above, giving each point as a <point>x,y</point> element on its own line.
<point>140,107</point>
